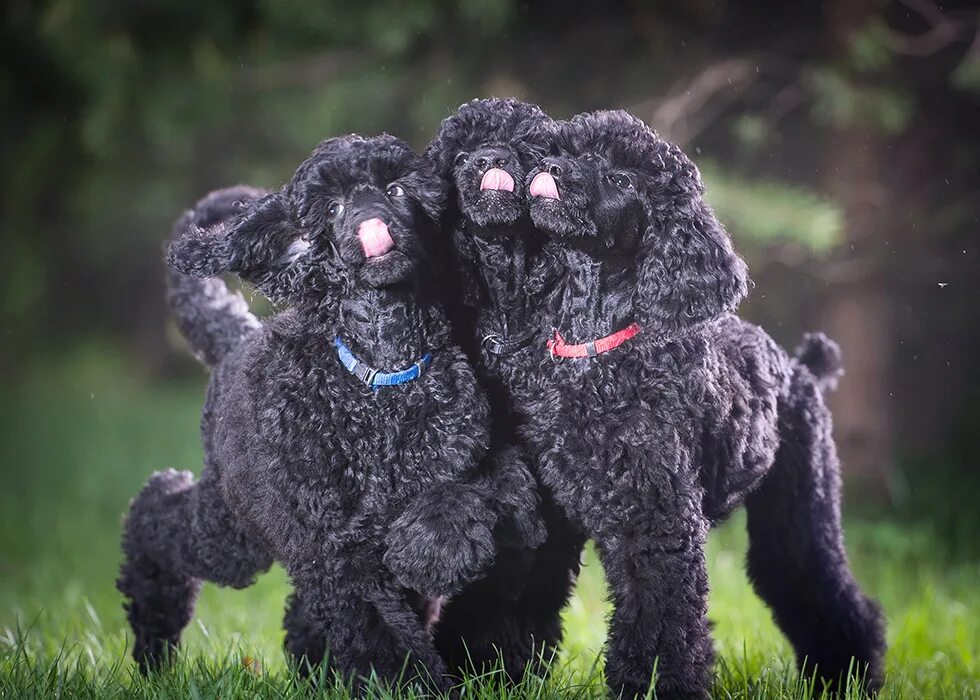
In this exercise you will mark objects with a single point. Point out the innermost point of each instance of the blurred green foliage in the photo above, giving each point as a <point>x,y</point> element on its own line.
<point>763,212</point>
<point>126,112</point>
<point>843,102</point>
<point>834,144</point>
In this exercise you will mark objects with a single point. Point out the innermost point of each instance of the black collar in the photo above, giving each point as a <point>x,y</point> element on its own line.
<point>495,344</point>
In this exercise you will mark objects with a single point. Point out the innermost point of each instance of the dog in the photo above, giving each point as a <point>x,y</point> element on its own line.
<point>659,411</point>
<point>345,437</point>
<point>484,152</point>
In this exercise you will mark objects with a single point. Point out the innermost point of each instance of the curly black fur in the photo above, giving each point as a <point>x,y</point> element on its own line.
<point>209,316</point>
<point>376,501</point>
<point>514,612</point>
<point>645,446</point>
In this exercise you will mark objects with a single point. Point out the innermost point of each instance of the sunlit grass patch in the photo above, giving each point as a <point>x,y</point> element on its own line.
<point>74,452</point>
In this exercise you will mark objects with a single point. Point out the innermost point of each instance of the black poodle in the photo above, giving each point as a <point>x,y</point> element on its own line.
<point>345,437</point>
<point>658,411</point>
<point>484,151</point>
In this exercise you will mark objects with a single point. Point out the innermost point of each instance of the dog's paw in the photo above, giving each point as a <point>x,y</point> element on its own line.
<point>442,541</point>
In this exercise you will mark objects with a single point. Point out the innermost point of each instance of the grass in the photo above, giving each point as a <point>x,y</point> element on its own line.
<point>76,445</point>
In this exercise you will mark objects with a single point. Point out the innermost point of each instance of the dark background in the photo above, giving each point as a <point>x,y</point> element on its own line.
<point>839,141</point>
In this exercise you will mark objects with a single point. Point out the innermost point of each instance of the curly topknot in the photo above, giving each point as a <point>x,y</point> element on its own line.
<point>627,141</point>
<point>522,126</point>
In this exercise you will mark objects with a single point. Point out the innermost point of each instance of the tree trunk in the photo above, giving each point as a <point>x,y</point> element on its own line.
<point>856,309</point>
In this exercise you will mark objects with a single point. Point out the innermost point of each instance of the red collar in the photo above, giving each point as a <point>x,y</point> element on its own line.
<point>557,346</point>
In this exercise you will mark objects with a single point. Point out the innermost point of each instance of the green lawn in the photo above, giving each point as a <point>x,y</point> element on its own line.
<point>77,445</point>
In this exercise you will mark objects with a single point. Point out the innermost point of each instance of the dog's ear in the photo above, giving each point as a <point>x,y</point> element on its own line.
<point>689,271</point>
<point>438,156</point>
<point>229,231</point>
<point>427,186</point>
<point>200,252</point>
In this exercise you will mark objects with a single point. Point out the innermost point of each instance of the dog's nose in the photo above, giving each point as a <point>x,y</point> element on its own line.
<point>491,158</point>
<point>554,166</point>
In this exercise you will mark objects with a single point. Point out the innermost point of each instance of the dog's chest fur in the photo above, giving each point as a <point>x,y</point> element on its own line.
<point>503,307</point>
<point>361,453</point>
<point>613,431</point>
<point>384,443</point>
<point>606,430</point>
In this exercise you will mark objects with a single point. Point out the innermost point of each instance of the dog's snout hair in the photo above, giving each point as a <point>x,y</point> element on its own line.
<point>363,208</point>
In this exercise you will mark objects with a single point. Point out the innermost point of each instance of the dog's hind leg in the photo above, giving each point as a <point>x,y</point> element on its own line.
<point>305,643</point>
<point>363,625</point>
<point>514,614</point>
<point>176,534</point>
<point>797,560</point>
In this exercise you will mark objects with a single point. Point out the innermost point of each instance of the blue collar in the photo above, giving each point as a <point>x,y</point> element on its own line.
<point>374,378</point>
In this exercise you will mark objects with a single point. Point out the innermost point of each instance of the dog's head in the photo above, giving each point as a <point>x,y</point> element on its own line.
<point>485,151</point>
<point>354,213</point>
<point>617,186</point>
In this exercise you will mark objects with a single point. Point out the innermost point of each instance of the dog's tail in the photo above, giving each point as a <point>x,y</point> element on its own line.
<point>822,357</point>
<point>211,317</point>
<point>797,561</point>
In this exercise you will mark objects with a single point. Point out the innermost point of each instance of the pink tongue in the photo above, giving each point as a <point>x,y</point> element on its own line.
<point>543,185</point>
<point>375,239</point>
<point>497,179</point>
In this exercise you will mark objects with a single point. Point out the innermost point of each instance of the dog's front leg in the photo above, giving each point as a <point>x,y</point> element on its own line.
<point>654,562</point>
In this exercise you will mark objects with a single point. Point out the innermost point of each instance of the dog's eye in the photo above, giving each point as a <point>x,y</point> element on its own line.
<point>335,210</point>
<point>461,158</point>
<point>621,180</point>
<point>395,191</point>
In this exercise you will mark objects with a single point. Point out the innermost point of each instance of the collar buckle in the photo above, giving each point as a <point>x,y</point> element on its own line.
<point>553,343</point>
<point>492,343</point>
<point>496,344</point>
